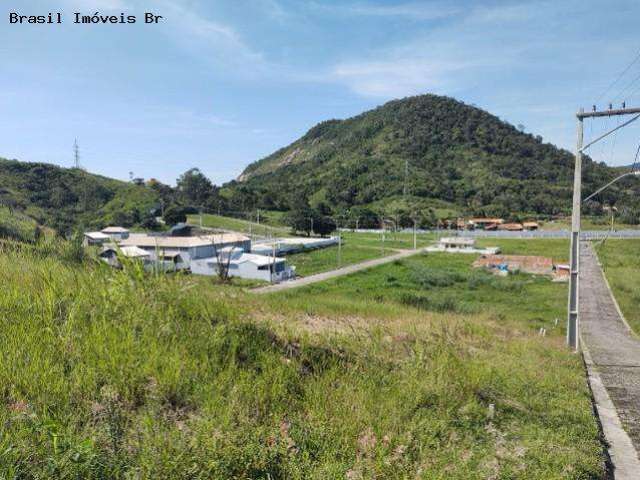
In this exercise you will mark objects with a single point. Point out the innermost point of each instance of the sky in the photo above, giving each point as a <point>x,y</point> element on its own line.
<point>218,84</point>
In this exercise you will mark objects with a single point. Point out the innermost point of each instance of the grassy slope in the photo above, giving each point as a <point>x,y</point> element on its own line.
<point>339,378</point>
<point>621,262</point>
<point>238,225</point>
<point>16,225</point>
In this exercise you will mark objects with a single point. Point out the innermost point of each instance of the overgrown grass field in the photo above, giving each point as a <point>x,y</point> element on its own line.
<point>417,369</point>
<point>621,262</point>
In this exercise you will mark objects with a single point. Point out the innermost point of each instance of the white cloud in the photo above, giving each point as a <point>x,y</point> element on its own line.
<point>212,40</point>
<point>395,77</point>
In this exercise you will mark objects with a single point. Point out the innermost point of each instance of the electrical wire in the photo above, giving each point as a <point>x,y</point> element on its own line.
<point>620,75</point>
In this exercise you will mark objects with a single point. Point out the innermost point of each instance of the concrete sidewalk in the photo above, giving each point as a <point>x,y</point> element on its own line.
<point>320,277</point>
<point>612,357</point>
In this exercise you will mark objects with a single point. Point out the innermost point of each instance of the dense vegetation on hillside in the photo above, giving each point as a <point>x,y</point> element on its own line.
<point>456,153</point>
<point>65,199</point>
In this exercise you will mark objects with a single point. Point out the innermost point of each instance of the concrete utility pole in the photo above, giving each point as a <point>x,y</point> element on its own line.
<point>76,154</point>
<point>573,321</point>
<point>406,177</point>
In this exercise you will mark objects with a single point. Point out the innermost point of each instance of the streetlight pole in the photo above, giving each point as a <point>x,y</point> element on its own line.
<point>572,320</point>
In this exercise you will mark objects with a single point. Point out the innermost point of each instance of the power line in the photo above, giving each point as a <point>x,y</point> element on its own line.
<point>637,57</point>
<point>620,95</point>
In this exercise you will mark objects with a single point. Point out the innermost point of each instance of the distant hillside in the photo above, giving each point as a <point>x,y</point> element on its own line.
<point>67,198</point>
<point>456,153</point>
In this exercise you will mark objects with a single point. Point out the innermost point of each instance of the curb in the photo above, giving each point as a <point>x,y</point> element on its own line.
<point>623,462</point>
<point>620,449</point>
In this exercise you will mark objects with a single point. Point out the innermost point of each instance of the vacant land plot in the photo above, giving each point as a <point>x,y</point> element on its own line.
<point>476,336</point>
<point>621,263</point>
<point>420,369</point>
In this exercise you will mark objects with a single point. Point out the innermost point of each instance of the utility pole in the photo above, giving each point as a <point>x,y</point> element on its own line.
<point>76,154</point>
<point>573,320</point>
<point>415,238</point>
<point>406,177</point>
<point>339,244</point>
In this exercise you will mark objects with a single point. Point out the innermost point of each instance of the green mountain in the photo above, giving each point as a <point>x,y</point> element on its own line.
<point>65,199</point>
<point>430,151</point>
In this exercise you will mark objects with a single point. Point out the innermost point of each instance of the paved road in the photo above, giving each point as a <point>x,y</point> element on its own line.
<point>584,234</point>
<point>320,277</point>
<point>613,350</point>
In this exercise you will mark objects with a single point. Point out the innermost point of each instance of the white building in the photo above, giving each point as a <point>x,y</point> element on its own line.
<point>111,252</point>
<point>291,245</point>
<point>245,265</point>
<point>95,238</point>
<point>116,233</point>
<point>181,251</point>
<point>460,245</point>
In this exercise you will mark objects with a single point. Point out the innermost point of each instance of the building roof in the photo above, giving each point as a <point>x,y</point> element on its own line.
<point>133,252</point>
<point>258,260</point>
<point>458,241</point>
<point>130,252</point>
<point>115,230</point>
<point>511,226</point>
<point>143,240</point>
<point>97,236</point>
<point>486,220</point>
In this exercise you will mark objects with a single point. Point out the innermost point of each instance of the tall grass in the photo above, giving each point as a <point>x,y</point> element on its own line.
<point>124,374</point>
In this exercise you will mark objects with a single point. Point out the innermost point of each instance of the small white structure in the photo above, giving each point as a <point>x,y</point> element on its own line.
<point>95,238</point>
<point>292,245</point>
<point>460,245</point>
<point>110,254</point>
<point>116,233</point>
<point>245,265</point>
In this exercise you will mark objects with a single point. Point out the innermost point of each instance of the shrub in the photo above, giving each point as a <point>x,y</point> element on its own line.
<point>427,277</point>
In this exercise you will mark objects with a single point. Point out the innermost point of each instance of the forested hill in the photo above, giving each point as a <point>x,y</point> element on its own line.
<point>455,153</point>
<point>65,199</point>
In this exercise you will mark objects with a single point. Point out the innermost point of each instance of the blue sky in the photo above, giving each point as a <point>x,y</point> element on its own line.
<point>219,84</point>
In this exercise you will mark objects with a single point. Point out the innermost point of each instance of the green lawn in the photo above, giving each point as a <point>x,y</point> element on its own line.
<point>558,249</point>
<point>621,262</point>
<point>356,248</point>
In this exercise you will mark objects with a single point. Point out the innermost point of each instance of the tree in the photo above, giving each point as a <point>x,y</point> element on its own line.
<point>223,262</point>
<point>194,188</point>
<point>174,214</point>
<point>149,222</point>
<point>323,225</point>
<point>300,218</point>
